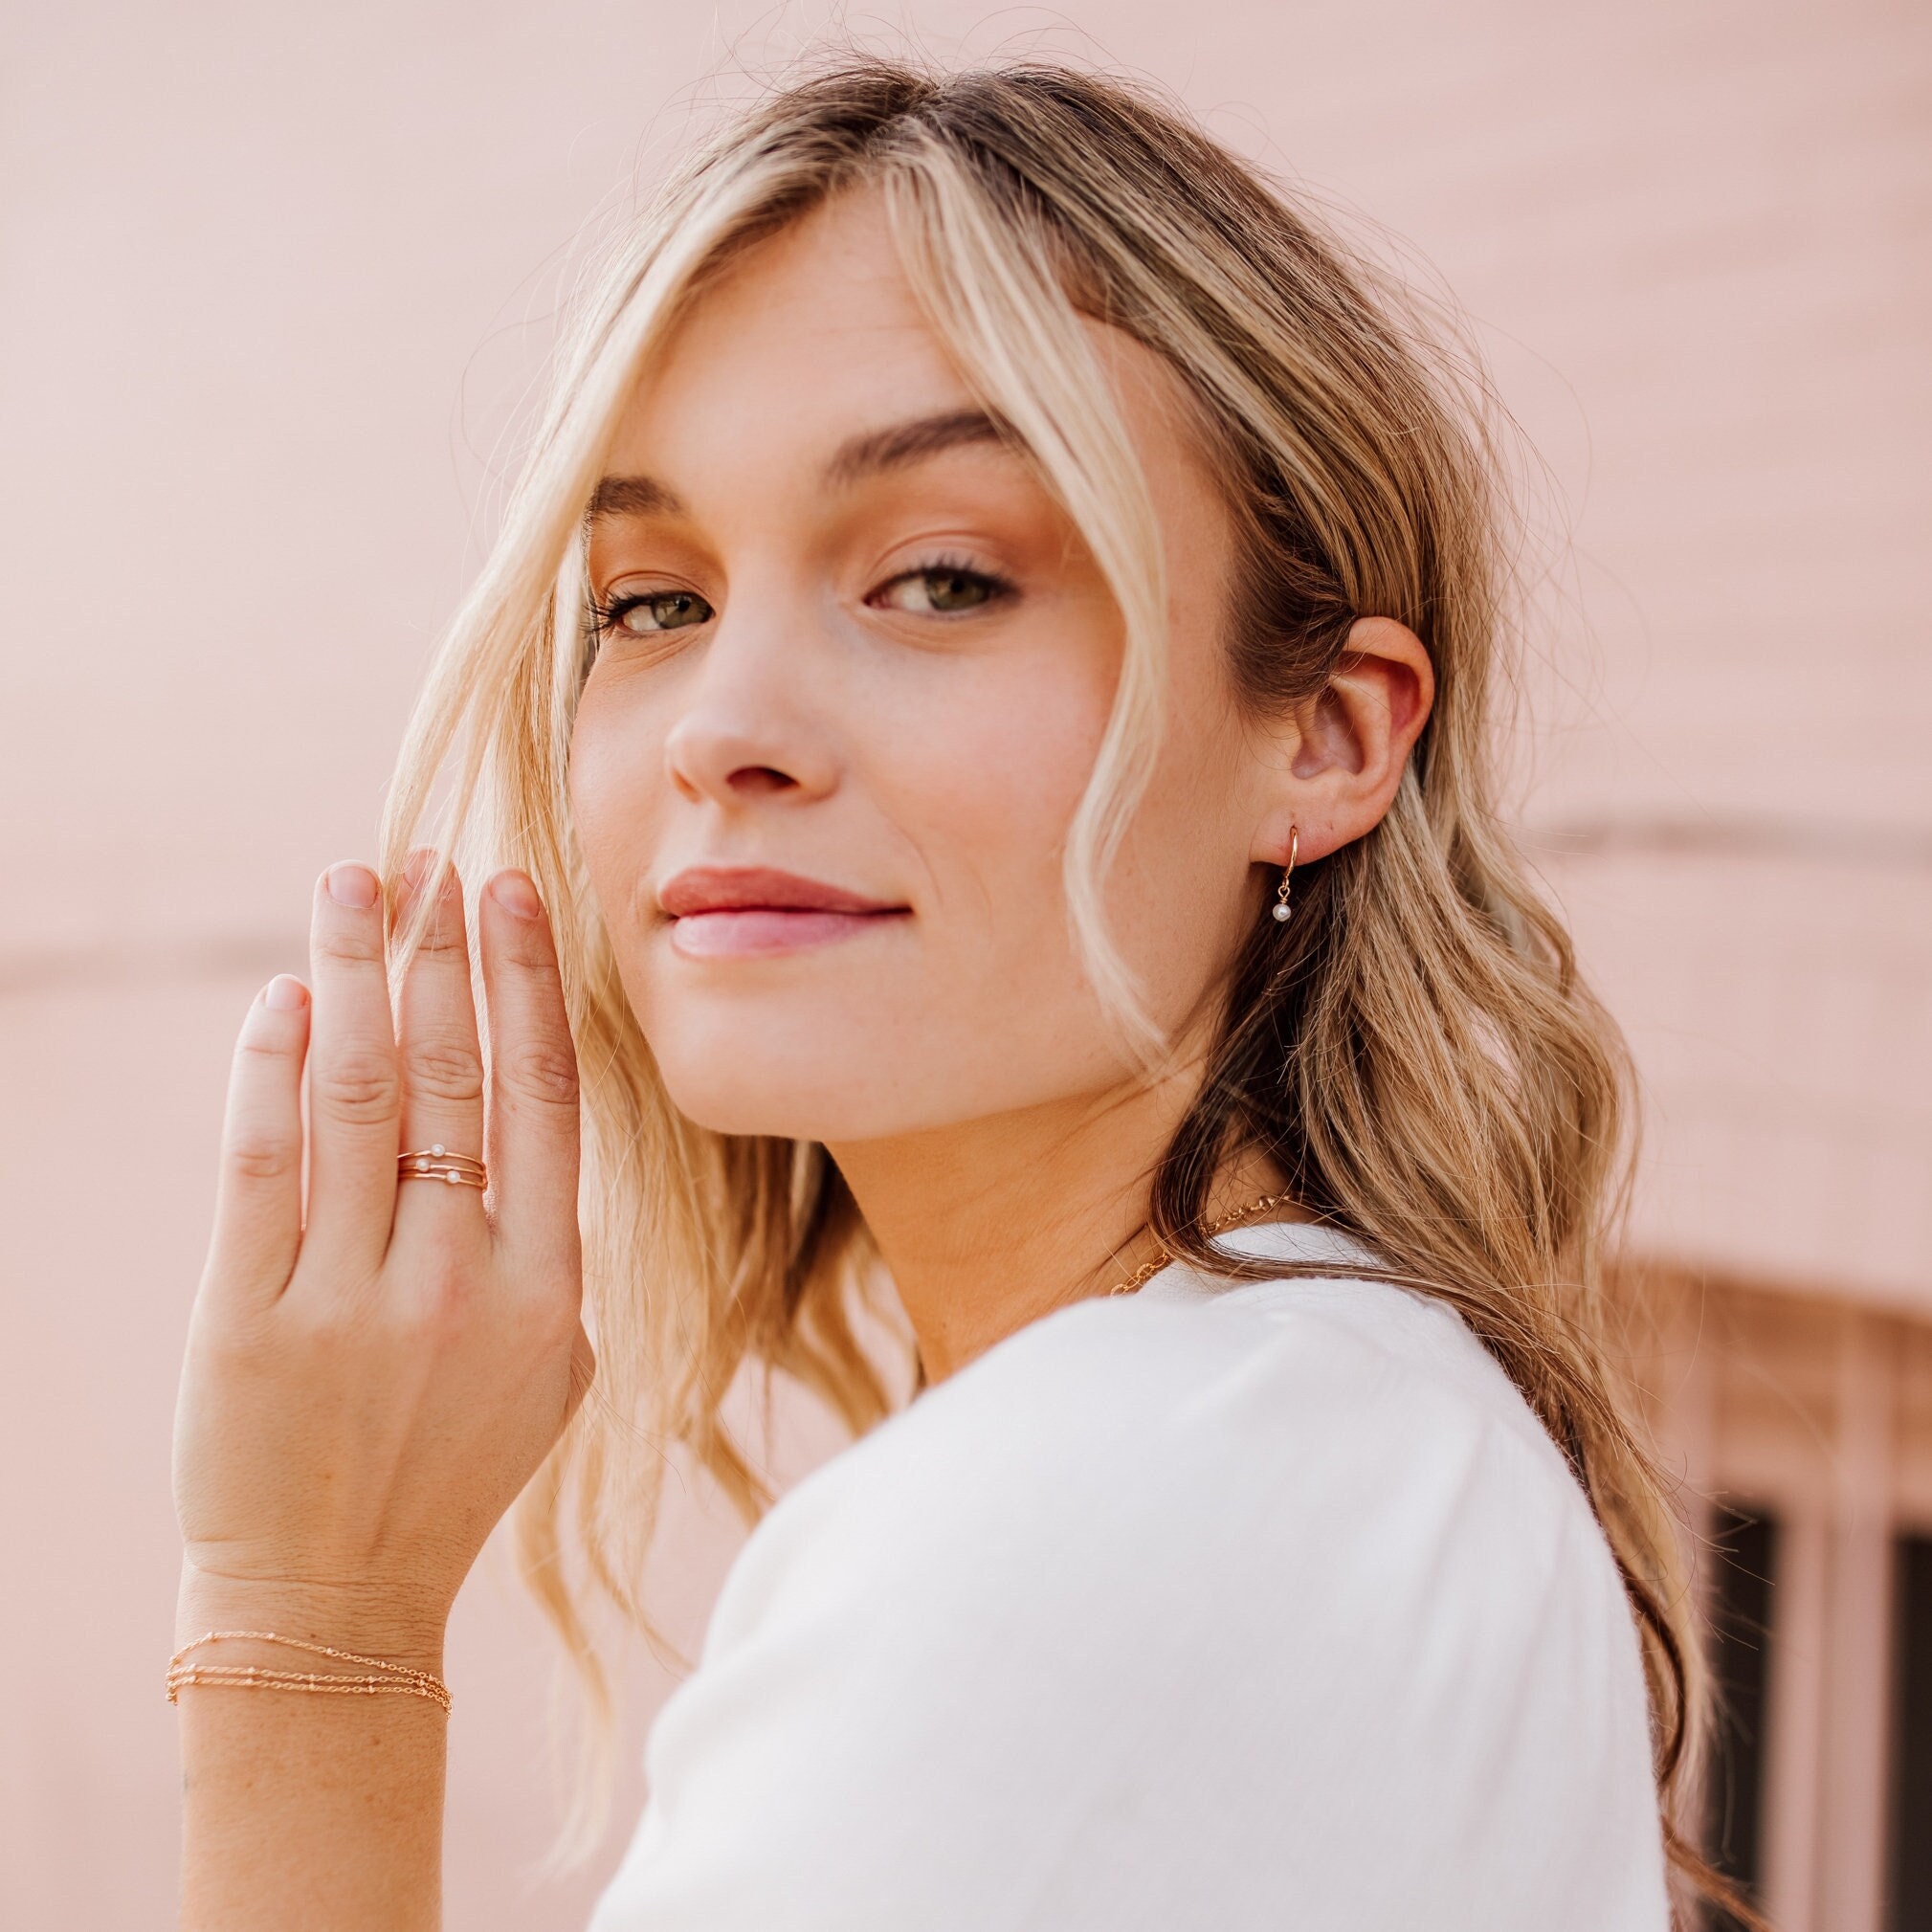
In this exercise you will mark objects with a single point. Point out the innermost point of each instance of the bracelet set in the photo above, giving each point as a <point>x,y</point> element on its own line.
<point>396,1680</point>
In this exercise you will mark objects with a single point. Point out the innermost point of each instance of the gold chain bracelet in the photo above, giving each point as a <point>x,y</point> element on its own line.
<point>396,1680</point>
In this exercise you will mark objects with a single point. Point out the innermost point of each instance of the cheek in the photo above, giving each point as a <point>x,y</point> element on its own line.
<point>616,764</point>
<point>1185,900</point>
<point>990,781</point>
<point>996,798</point>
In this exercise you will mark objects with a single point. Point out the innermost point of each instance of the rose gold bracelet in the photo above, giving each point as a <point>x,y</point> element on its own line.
<point>397,1680</point>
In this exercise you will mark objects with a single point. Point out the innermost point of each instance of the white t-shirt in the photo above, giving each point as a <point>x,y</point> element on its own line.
<point>1217,1606</point>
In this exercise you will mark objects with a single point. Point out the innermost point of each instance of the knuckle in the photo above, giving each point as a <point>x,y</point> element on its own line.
<point>438,1302</point>
<point>353,941</point>
<point>262,1157</point>
<point>551,1315</point>
<point>358,1087</point>
<point>264,1049</point>
<point>552,1338</point>
<point>445,1070</point>
<point>444,938</point>
<point>534,959</point>
<point>334,1324</point>
<point>231,1345</point>
<point>542,1072</point>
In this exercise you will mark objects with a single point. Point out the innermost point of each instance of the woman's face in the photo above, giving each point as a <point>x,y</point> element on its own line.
<point>848,637</point>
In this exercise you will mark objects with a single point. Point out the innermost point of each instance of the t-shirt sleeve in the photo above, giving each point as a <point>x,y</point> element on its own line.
<point>1152,1620</point>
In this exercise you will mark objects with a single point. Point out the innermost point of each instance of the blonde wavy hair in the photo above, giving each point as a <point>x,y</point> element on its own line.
<point>1417,1053</point>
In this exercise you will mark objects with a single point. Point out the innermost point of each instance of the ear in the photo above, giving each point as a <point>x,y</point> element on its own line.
<point>1336,760</point>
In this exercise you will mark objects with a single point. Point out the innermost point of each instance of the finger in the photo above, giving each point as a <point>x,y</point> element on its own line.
<point>355,1089</point>
<point>258,1209</point>
<point>442,1064</point>
<point>533,1076</point>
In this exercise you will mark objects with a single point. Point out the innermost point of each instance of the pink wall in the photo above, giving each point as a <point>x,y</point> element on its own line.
<point>275,280</point>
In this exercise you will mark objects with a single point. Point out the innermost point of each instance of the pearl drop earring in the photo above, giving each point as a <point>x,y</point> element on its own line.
<point>1281,896</point>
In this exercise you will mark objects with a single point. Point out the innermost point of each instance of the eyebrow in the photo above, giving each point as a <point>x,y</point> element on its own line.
<point>870,453</point>
<point>904,444</point>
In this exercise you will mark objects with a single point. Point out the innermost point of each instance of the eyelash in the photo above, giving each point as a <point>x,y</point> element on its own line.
<point>603,617</point>
<point>998,589</point>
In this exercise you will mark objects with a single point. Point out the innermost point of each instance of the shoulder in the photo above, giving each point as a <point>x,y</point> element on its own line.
<point>1320,1427</point>
<point>1170,1611</point>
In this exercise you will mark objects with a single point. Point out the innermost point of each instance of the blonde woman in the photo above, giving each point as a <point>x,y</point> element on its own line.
<point>977,727</point>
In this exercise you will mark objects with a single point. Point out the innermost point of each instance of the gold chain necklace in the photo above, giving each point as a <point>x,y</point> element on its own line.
<point>1162,1259</point>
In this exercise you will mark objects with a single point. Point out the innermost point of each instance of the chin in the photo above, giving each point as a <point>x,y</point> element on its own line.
<point>761,1109</point>
<point>733,1088</point>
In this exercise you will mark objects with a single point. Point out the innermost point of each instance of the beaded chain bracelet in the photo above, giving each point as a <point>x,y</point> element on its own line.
<point>398,1680</point>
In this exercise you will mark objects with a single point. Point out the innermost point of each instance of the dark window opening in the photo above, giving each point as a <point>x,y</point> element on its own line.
<point>1910,1891</point>
<point>1746,1551</point>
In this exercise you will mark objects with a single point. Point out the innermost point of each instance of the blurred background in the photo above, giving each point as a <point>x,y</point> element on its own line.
<point>277,282</point>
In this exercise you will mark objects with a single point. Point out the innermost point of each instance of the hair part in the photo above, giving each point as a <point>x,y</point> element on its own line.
<point>1417,1051</point>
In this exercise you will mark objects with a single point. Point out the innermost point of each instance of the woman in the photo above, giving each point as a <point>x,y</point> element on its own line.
<point>989,671</point>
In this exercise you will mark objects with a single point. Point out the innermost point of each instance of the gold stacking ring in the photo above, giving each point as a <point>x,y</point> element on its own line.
<point>439,1164</point>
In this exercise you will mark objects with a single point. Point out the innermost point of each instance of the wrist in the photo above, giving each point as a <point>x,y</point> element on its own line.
<point>369,1620</point>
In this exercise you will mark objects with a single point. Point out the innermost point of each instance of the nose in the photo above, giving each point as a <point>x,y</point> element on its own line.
<point>747,731</point>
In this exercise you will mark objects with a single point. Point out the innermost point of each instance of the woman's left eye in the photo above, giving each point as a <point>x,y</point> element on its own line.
<point>938,590</point>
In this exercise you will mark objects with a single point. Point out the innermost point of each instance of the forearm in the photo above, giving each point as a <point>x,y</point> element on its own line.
<point>305,1810</point>
<point>375,1370</point>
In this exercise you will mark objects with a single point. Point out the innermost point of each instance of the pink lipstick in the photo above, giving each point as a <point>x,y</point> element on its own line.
<point>738,912</point>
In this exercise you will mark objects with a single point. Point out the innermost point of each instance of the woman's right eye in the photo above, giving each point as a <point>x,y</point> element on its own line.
<point>640,614</point>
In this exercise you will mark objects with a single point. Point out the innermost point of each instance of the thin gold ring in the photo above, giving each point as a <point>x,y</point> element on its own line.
<point>439,1164</point>
<point>441,1153</point>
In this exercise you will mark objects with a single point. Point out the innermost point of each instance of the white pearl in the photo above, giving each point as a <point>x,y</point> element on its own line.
<point>1280,911</point>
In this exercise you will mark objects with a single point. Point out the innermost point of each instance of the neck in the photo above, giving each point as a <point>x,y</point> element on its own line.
<point>986,1225</point>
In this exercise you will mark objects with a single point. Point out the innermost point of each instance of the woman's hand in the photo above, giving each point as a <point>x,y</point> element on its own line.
<point>369,1384</point>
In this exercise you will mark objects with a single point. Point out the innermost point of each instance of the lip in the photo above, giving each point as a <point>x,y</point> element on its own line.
<point>725,888</point>
<point>730,911</point>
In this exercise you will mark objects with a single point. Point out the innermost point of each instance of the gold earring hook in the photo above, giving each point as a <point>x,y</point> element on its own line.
<point>1281,895</point>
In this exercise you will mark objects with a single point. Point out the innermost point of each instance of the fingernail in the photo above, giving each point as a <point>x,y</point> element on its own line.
<point>514,892</point>
<point>354,886</point>
<point>421,866</point>
<point>284,992</point>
